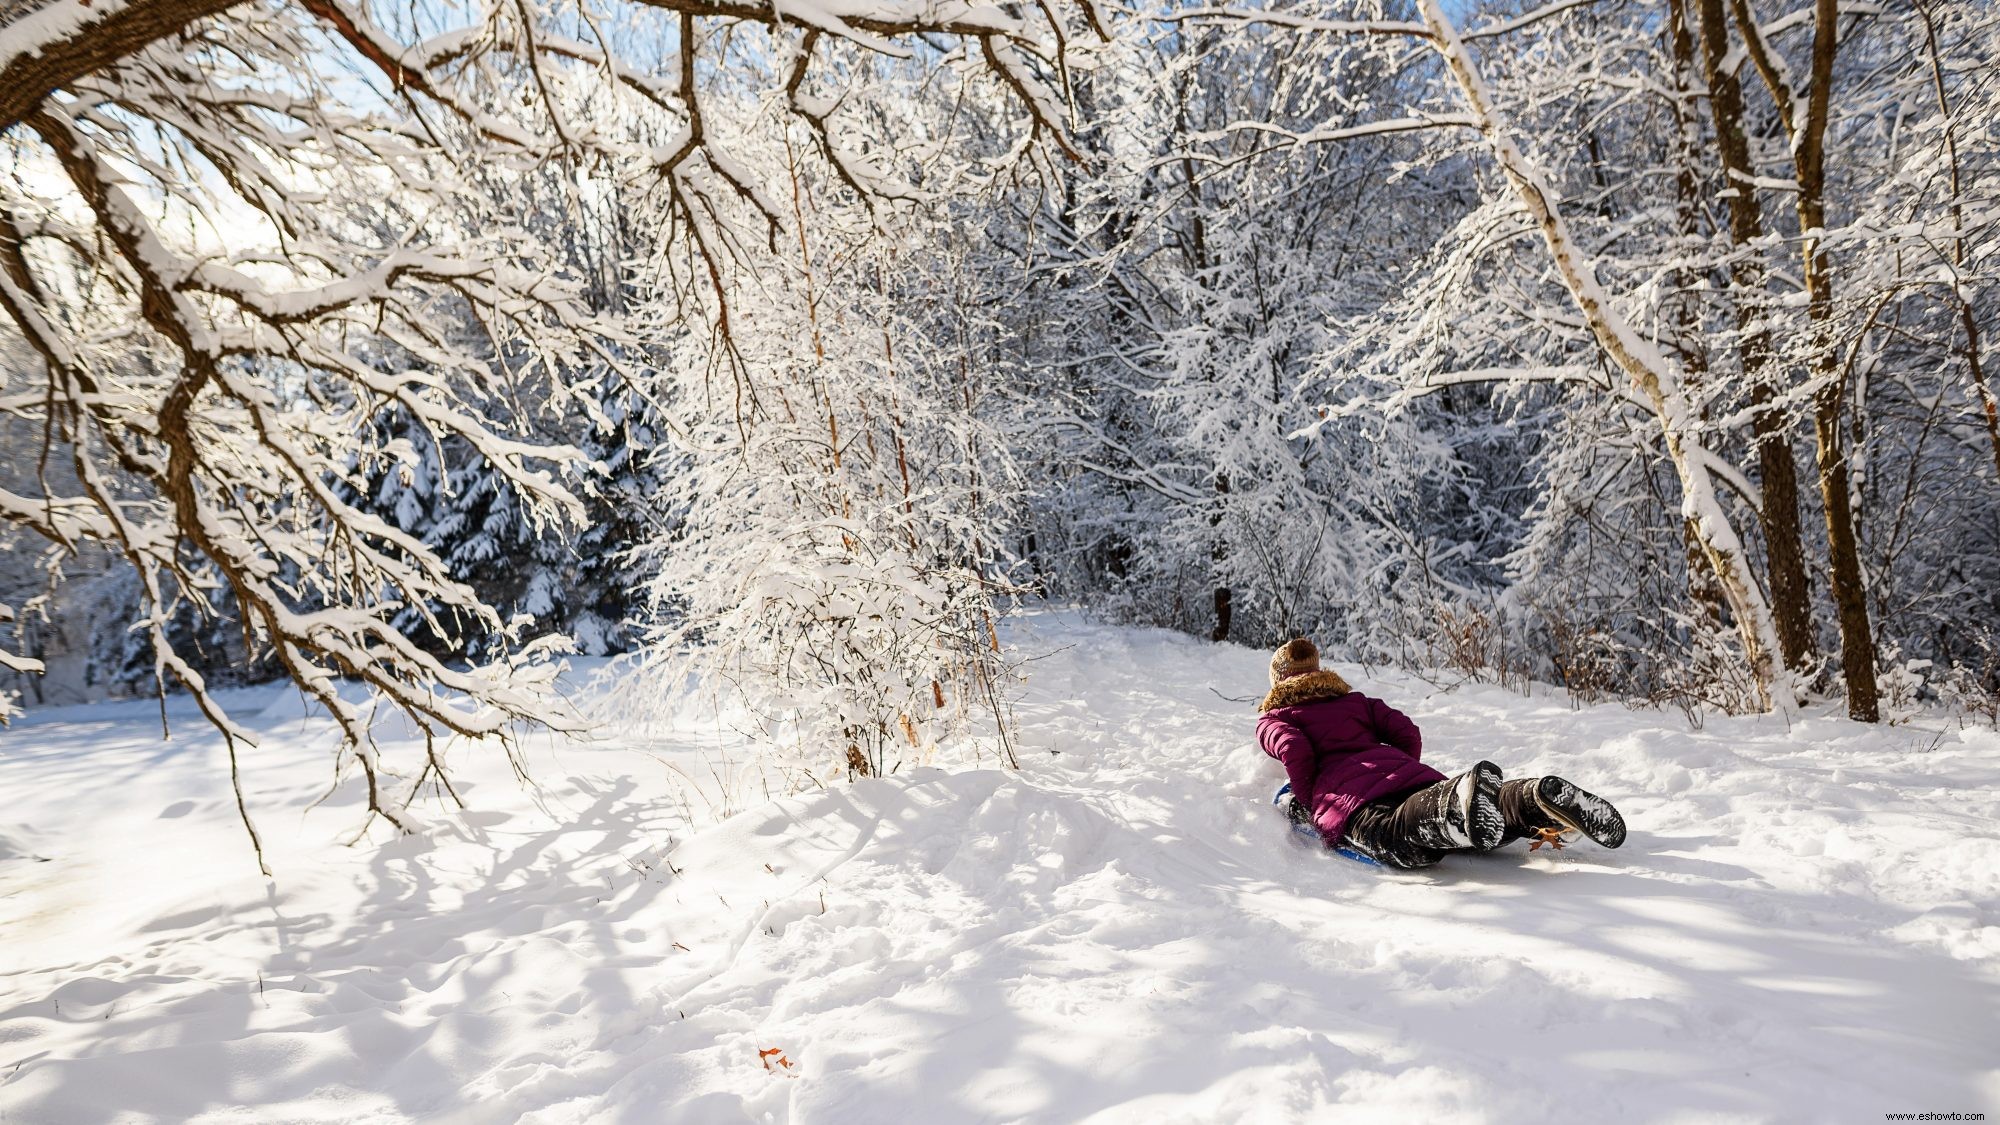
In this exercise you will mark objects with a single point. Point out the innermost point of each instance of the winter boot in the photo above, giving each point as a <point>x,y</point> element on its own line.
<point>1548,808</point>
<point>1460,812</point>
<point>1457,814</point>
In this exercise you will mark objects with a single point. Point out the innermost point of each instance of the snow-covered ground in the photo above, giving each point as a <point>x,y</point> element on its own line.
<point>1804,926</point>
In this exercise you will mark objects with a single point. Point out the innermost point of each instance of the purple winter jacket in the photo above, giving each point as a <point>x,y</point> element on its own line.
<point>1340,748</point>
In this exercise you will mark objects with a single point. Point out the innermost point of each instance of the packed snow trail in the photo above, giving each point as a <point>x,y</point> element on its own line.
<point>1804,926</point>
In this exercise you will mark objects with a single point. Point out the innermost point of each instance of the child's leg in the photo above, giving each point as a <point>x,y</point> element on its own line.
<point>1376,832</point>
<point>1532,805</point>
<point>1457,814</point>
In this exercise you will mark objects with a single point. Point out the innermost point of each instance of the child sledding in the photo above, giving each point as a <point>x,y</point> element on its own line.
<point>1357,777</point>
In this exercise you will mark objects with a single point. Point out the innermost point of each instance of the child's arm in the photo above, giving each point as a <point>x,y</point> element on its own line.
<point>1292,748</point>
<point>1395,729</point>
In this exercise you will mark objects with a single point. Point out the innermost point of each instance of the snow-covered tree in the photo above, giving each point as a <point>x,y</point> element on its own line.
<point>835,499</point>
<point>386,343</point>
<point>236,235</point>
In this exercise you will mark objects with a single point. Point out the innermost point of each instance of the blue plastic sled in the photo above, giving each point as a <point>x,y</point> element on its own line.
<point>1308,832</point>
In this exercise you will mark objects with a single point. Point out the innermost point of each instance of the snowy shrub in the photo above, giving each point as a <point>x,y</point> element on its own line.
<point>1903,684</point>
<point>846,616</point>
<point>1973,689</point>
<point>828,567</point>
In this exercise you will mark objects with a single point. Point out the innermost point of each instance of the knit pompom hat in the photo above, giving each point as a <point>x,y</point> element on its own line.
<point>1295,657</point>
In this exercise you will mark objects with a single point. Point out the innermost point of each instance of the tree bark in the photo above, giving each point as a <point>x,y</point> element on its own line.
<point>1850,594</point>
<point>110,32</point>
<point>1224,599</point>
<point>1784,553</point>
<point>1808,137</point>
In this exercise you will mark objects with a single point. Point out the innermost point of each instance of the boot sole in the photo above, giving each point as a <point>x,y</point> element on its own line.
<point>1473,819</point>
<point>1489,825</point>
<point>1581,811</point>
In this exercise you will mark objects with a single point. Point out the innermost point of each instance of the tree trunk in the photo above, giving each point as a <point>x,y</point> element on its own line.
<point>1703,587</point>
<point>1656,380</point>
<point>1850,594</point>
<point>1857,642</point>
<point>1784,553</point>
<point>1223,599</point>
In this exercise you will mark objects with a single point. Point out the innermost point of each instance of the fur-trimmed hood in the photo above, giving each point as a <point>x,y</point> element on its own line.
<point>1305,688</point>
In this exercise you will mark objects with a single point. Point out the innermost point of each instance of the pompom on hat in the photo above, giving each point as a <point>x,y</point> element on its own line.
<point>1295,657</point>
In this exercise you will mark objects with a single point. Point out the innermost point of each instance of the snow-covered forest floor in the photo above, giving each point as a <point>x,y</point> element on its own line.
<point>1804,925</point>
